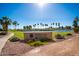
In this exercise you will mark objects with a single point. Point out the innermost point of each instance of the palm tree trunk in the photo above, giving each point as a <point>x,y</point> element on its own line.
<point>75,29</point>
<point>5,28</point>
<point>15,27</point>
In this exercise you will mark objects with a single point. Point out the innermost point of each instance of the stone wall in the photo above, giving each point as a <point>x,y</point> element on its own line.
<point>38,35</point>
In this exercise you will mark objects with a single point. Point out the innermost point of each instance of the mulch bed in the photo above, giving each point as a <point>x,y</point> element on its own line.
<point>15,48</point>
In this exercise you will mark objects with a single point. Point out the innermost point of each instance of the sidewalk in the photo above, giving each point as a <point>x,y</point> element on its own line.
<point>4,39</point>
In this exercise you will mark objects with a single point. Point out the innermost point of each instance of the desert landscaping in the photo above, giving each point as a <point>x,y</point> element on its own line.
<point>45,31</point>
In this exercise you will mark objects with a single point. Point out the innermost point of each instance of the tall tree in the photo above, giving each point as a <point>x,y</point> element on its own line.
<point>75,24</point>
<point>24,27</point>
<point>30,27</point>
<point>34,25</point>
<point>1,22</point>
<point>27,27</point>
<point>15,23</point>
<point>38,25</point>
<point>59,25</point>
<point>56,24</point>
<point>68,27</point>
<point>46,25</point>
<point>53,24</point>
<point>42,25</point>
<point>5,21</point>
<point>18,25</point>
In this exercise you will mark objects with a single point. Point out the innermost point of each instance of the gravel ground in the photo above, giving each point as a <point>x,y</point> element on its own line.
<point>19,48</point>
<point>15,48</point>
<point>68,47</point>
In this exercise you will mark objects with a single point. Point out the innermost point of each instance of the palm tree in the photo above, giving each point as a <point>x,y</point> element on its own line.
<point>1,22</point>
<point>42,24</point>
<point>75,24</point>
<point>34,25</point>
<point>59,25</point>
<point>38,25</point>
<point>5,21</point>
<point>56,24</point>
<point>46,25</point>
<point>24,27</point>
<point>30,27</point>
<point>62,27</point>
<point>52,23</point>
<point>15,23</point>
<point>27,27</point>
<point>18,26</point>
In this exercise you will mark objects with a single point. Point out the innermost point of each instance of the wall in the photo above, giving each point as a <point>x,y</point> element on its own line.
<point>38,36</point>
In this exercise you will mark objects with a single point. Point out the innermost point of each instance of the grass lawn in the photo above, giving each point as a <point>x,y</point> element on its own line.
<point>18,34</point>
<point>61,33</point>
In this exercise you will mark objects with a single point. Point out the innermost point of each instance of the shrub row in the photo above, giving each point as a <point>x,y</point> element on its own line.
<point>14,39</point>
<point>59,36</point>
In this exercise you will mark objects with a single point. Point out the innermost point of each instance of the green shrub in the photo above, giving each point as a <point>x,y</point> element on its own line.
<point>14,39</point>
<point>36,43</point>
<point>44,40</point>
<point>3,32</point>
<point>58,36</point>
<point>1,29</point>
<point>69,34</point>
<point>30,41</point>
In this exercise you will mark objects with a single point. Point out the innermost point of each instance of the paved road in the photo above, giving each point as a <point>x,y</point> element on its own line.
<point>4,39</point>
<point>68,47</point>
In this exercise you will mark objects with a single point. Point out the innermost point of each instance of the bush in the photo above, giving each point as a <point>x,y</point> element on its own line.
<point>3,33</point>
<point>43,40</point>
<point>46,40</point>
<point>36,43</point>
<point>58,36</point>
<point>1,29</point>
<point>14,39</point>
<point>30,41</point>
<point>69,34</point>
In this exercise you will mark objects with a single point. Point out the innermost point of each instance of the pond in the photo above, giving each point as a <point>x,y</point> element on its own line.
<point>62,31</point>
<point>51,31</point>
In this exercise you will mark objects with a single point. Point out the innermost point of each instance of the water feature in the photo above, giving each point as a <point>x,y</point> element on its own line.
<point>62,31</point>
<point>50,31</point>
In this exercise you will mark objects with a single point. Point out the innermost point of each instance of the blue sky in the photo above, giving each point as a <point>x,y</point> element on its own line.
<point>31,13</point>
